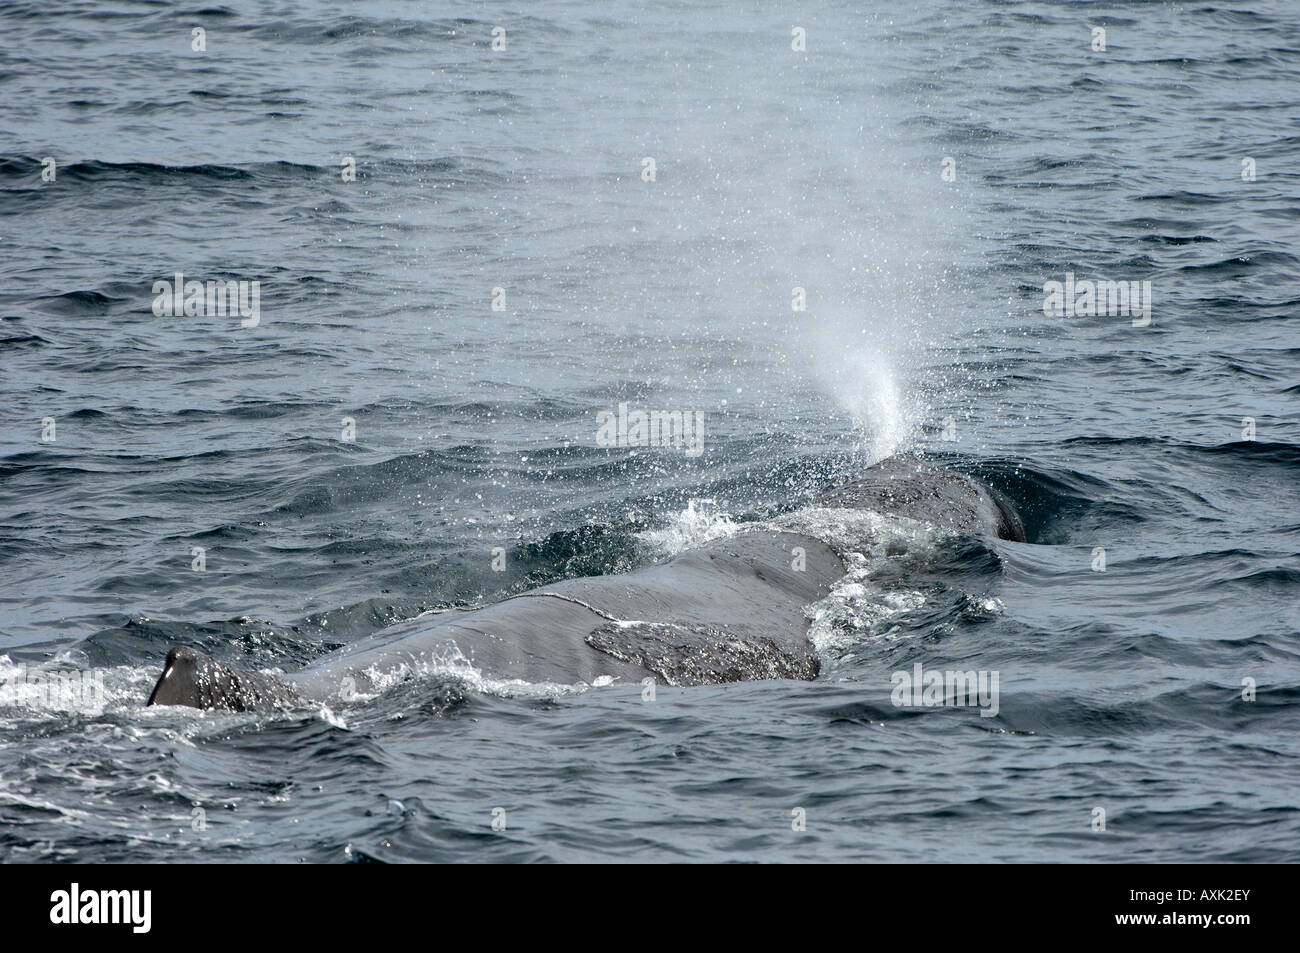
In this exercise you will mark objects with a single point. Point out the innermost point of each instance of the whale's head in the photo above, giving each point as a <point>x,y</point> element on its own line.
<point>905,485</point>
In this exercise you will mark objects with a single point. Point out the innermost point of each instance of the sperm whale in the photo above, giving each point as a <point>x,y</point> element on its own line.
<point>729,610</point>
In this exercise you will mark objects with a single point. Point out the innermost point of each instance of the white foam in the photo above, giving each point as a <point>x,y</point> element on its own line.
<point>65,685</point>
<point>701,522</point>
<point>857,610</point>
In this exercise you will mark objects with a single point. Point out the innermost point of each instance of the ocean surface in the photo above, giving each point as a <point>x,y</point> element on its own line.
<point>435,338</point>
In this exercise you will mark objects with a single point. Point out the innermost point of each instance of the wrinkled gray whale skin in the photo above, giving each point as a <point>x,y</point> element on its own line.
<point>729,610</point>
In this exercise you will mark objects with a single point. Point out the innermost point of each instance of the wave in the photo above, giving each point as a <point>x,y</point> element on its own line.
<point>445,171</point>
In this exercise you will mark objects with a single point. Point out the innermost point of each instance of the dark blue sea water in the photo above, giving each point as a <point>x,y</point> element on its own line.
<point>521,169</point>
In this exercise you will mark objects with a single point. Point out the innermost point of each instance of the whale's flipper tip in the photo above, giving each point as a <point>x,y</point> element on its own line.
<point>191,678</point>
